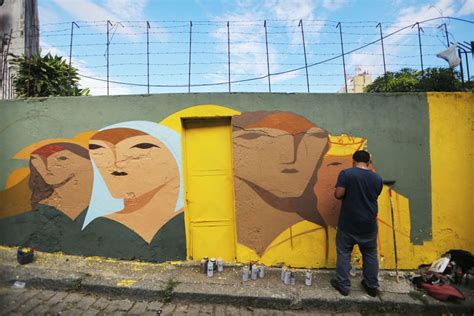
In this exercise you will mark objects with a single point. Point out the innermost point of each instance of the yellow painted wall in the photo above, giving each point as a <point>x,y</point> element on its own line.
<point>452,174</point>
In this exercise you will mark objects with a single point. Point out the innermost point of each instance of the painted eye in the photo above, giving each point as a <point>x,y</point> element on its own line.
<point>250,136</point>
<point>334,164</point>
<point>144,146</point>
<point>94,146</point>
<point>62,158</point>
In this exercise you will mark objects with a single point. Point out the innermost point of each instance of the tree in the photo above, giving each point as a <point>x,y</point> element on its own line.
<point>44,76</point>
<point>409,80</point>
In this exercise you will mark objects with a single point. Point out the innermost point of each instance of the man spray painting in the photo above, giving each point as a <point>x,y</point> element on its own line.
<point>358,188</point>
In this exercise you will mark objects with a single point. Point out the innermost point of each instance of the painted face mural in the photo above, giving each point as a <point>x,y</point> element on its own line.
<point>281,173</point>
<point>132,163</point>
<point>137,176</point>
<point>61,176</point>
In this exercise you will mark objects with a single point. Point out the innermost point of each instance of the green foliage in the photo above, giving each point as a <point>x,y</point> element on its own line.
<point>168,290</point>
<point>38,76</point>
<point>409,80</point>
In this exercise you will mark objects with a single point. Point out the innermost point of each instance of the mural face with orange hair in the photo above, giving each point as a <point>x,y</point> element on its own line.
<point>277,151</point>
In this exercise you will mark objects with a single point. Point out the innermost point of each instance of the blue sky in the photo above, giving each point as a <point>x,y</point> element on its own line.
<point>169,40</point>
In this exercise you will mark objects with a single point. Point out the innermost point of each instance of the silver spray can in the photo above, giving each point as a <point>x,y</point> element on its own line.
<point>220,265</point>
<point>245,273</point>
<point>261,272</point>
<point>254,272</point>
<point>210,268</point>
<point>287,277</point>
<point>283,269</point>
<point>204,263</point>
<point>308,278</point>
<point>293,278</point>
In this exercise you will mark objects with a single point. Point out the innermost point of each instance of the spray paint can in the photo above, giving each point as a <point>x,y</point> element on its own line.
<point>293,278</point>
<point>308,278</point>
<point>210,268</point>
<point>353,271</point>
<point>261,272</point>
<point>204,262</point>
<point>245,273</point>
<point>220,265</point>
<point>254,272</point>
<point>283,269</point>
<point>287,277</point>
<point>214,263</point>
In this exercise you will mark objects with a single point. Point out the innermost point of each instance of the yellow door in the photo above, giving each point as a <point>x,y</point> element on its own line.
<point>209,209</point>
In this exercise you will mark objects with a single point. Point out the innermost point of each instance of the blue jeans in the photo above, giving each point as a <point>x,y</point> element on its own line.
<point>368,247</point>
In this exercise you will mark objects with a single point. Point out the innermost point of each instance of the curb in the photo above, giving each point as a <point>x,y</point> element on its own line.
<point>220,294</point>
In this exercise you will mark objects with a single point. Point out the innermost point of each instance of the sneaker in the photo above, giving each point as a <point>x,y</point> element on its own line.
<point>338,288</point>
<point>370,290</point>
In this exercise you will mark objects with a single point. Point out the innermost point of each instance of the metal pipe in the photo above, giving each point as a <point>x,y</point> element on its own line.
<point>268,59</point>
<point>228,51</point>
<point>339,25</point>
<point>304,51</point>
<point>383,55</point>
<point>70,43</point>
<point>148,55</point>
<point>419,43</point>
<point>190,41</point>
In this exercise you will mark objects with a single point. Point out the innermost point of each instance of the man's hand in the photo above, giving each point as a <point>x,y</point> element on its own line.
<point>339,193</point>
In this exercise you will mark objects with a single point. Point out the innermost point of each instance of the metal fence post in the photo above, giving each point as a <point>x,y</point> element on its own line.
<point>268,59</point>
<point>304,51</point>
<point>339,25</point>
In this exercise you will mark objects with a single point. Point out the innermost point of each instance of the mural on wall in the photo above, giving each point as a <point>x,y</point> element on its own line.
<point>125,202</point>
<point>282,176</point>
<point>137,176</point>
<point>123,196</point>
<point>285,170</point>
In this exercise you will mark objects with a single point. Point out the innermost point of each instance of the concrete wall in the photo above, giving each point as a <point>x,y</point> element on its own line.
<point>81,175</point>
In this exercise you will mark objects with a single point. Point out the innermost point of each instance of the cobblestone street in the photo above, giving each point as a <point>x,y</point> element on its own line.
<point>47,302</point>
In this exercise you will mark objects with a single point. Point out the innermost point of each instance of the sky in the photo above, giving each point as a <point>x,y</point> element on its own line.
<point>168,65</point>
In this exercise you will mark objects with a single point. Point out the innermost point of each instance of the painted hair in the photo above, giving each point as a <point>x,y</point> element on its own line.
<point>40,190</point>
<point>102,203</point>
<point>285,121</point>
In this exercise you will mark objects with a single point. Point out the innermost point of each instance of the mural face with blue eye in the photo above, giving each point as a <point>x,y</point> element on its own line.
<point>132,163</point>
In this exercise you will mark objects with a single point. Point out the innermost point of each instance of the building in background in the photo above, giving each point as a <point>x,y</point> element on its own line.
<point>358,82</point>
<point>19,34</point>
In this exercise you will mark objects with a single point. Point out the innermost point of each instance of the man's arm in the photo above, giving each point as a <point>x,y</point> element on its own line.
<point>339,193</point>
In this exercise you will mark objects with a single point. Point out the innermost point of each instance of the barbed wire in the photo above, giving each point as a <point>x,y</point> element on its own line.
<point>288,28</point>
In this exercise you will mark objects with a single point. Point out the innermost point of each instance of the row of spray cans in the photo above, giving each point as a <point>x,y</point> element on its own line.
<point>210,266</point>
<point>252,271</point>
<point>288,277</point>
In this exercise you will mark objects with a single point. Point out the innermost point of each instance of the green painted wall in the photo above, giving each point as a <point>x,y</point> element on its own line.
<point>395,125</point>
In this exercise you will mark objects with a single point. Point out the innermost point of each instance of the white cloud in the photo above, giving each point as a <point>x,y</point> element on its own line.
<point>114,11</point>
<point>467,8</point>
<point>406,15</point>
<point>333,5</point>
<point>96,87</point>
<point>47,14</point>
<point>248,48</point>
<point>291,10</point>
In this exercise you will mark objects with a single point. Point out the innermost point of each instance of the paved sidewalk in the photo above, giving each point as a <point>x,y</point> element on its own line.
<point>183,282</point>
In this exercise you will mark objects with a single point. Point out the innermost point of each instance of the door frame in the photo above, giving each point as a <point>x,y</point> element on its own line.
<point>187,222</point>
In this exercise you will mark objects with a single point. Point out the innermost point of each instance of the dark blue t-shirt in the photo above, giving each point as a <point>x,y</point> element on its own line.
<point>359,205</point>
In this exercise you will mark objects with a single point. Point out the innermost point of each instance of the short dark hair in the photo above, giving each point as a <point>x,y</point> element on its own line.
<point>361,156</point>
